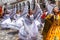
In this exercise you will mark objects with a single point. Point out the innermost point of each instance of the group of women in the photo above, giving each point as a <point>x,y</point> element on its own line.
<point>27,18</point>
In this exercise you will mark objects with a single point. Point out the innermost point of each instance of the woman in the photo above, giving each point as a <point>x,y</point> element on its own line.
<point>17,15</point>
<point>54,23</point>
<point>28,26</point>
<point>6,19</point>
<point>15,23</point>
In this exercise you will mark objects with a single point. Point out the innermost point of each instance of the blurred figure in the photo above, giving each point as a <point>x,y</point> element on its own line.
<point>6,14</point>
<point>49,6</point>
<point>56,9</point>
<point>23,5</point>
<point>50,18</point>
<point>24,9</point>
<point>28,26</point>
<point>13,12</point>
<point>37,12</point>
<point>44,15</point>
<point>18,13</point>
<point>6,19</point>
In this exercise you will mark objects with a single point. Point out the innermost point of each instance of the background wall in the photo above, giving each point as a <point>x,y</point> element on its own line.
<point>58,3</point>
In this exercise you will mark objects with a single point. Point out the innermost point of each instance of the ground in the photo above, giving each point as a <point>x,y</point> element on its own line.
<point>11,35</point>
<point>6,35</point>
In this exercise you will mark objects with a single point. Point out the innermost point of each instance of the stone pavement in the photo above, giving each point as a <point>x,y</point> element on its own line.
<point>6,35</point>
<point>12,35</point>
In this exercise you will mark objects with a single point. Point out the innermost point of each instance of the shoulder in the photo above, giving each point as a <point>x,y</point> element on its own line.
<point>49,16</point>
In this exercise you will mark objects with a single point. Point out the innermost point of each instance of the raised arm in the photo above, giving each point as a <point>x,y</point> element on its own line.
<point>39,11</point>
<point>46,2</point>
<point>48,6</point>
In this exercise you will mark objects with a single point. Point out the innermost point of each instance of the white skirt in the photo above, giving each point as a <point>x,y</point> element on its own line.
<point>32,31</point>
<point>9,24</point>
<point>5,23</point>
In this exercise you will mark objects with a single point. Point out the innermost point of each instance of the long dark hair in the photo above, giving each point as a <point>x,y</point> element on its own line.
<point>28,3</point>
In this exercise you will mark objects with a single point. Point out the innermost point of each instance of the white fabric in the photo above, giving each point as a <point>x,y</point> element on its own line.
<point>19,21</point>
<point>31,17</point>
<point>7,15</point>
<point>7,21</point>
<point>30,30</point>
<point>49,6</point>
<point>37,22</point>
<point>16,24</point>
<point>16,16</point>
<point>25,11</point>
